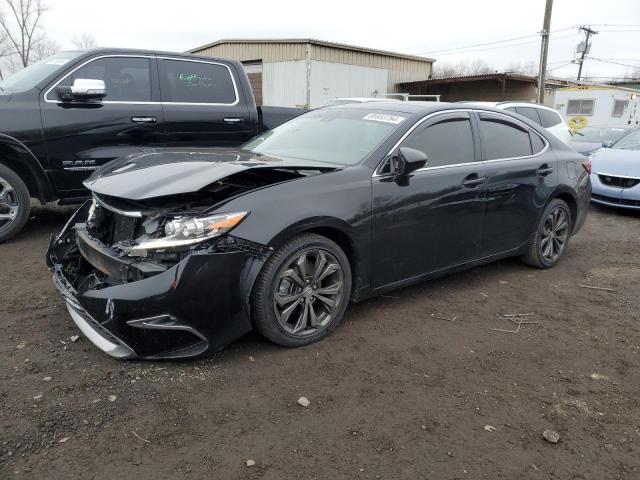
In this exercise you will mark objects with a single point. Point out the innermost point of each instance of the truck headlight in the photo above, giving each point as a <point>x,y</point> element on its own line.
<point>181,232</point>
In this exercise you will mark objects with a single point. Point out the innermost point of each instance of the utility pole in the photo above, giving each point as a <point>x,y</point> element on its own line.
<point>585,48</point>
<point>544,49</point>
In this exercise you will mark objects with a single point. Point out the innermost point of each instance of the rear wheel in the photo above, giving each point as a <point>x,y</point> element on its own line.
<point>15,203</point>
<point>302,292</point>
<point>551,236</point>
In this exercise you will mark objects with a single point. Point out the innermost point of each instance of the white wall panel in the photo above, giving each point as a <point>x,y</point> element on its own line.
<point>284,84</point>
<point>330,80</point>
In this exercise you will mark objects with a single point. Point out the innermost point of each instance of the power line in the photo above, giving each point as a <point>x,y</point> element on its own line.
<point>570,60</point>
<point>616,25</point>
<point>530,42</point>
<point>618,31</point>
<point>615,63</point>
<point>561,66</point>
<point>492,43</point>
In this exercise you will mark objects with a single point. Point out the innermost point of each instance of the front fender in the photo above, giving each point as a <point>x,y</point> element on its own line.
<point>26,164</point>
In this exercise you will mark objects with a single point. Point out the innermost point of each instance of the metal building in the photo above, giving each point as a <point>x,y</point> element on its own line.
<point>309,73</point>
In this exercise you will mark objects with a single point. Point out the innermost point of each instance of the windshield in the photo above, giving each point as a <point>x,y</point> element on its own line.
<point>332,135</point>
<point>599,134</point>
<point>29,77</point>
<point>629,142</point>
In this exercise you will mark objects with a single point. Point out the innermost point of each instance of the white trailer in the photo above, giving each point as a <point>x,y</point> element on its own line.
<point>598,105</point>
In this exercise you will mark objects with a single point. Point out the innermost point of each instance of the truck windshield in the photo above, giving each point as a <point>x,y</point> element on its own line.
<point>29,77</point>
<point>340,136</point>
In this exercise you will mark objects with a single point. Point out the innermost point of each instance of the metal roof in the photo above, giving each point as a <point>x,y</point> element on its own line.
<point>313,41</point>
<point>561,82</point>
<point>474,78</point>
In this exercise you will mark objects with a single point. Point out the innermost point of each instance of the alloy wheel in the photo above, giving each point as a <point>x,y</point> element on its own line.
<point>9,204</point>
<point>308,292</point>
<point>555,232</point>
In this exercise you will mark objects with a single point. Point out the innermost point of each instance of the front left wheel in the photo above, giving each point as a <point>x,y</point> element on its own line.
<point>302,292</point>
<point>15,203</point>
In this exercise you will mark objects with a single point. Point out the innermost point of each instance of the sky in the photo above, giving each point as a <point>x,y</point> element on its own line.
<point>426,27</point>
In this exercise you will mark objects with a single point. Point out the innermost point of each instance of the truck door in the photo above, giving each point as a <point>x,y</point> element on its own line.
<point>82,135</point>
<point>202,104</point>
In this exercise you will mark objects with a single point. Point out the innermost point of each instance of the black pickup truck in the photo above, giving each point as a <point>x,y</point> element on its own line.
<point>65,116</point>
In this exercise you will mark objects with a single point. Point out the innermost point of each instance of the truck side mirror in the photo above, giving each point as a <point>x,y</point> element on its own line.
<point>83,89</point>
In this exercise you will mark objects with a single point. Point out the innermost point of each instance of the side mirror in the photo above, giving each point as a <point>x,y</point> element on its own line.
<point>409,160</point>
<point>83,89</point>
<point>607,144</point>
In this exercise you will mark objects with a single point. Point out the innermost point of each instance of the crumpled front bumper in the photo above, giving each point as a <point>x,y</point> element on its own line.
<point>196,306</point>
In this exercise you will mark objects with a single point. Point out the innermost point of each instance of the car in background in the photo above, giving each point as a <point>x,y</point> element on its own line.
<point>615,173</point>
<point>184,250</point>
<point>589,139</point>
<point>347,100</point>
<point>546,117</point>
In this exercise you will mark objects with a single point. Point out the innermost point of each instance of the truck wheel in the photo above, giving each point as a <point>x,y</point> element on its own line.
<point>302,291</point>
<point>15,203</point>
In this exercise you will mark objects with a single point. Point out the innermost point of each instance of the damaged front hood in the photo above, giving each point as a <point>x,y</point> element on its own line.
<point>164,172</point>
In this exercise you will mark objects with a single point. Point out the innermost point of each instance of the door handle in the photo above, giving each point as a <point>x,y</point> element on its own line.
<point>232,120</point>
<point>472,181</point>
<point>544,170</point>
<point>144,119</point>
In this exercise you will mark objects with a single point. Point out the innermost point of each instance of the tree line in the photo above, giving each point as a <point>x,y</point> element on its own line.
<point>23,40</point>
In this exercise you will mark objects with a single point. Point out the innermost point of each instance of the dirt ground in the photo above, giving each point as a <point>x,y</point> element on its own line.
<point>395,393</point>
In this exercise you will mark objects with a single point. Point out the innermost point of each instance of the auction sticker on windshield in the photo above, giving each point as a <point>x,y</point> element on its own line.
<point>382,117</point>
<point>57,61</point>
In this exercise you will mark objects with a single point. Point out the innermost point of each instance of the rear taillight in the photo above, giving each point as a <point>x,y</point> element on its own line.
<point>587,166</point>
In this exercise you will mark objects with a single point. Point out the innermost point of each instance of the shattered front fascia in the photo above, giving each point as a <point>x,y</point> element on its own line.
<point>153,213</point>
<point>137,312</point>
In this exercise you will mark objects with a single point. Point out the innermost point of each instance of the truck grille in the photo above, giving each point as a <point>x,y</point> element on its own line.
<point>619,182</point>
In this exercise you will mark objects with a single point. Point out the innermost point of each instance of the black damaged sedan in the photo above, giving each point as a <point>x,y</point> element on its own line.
<point>182,251</point>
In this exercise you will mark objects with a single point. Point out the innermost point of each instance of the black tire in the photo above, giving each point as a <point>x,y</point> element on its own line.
<point>545,237</point>
<point>277,278</point>
<point>14,200</point>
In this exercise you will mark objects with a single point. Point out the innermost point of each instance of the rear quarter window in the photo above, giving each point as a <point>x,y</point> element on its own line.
<point>548,118</point>
<point>537,144</point>
<point>529,112</point>
<point>504,139</point>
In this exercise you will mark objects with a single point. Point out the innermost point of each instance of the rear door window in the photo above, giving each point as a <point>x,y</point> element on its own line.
<point>449,141</point>
<point>197,82</point>
<point>503,138</point>
<point>529,112</point>
<point>548,118</point>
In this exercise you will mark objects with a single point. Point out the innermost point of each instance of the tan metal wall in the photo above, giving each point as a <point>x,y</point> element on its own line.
<point>267,52</point>
<point>400,69</point>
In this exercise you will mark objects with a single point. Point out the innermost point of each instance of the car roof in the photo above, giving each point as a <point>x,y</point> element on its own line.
<point>365,99</point>
<point>514,103</point>
<point>418,107</point>
<point>410,107</point>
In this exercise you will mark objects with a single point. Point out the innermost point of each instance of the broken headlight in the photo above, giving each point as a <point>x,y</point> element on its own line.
<point>181,232</point>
